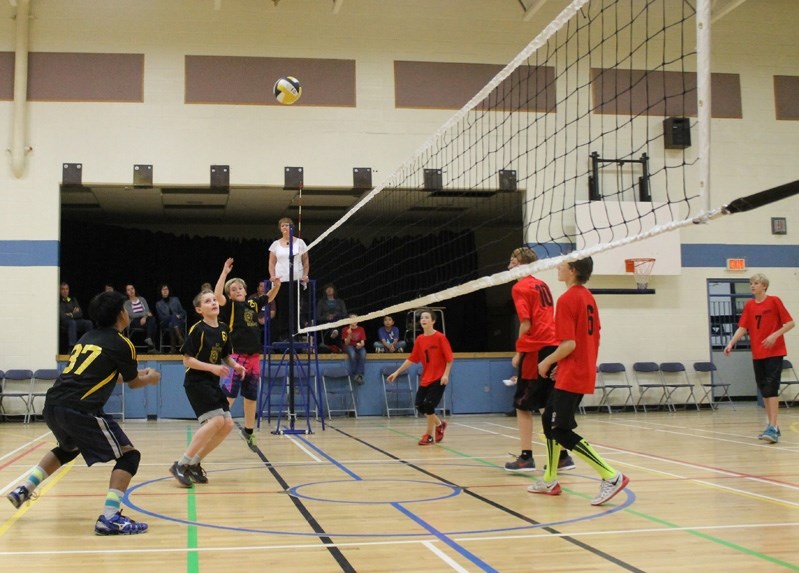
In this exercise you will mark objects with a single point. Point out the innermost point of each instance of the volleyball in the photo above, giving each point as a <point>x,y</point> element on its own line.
<point>287,90</point>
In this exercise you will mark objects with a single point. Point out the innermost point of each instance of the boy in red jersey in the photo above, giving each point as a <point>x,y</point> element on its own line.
<point>766,320</point>
<point>433,350</point>
<point>577,328</point>
<point>536,340</point>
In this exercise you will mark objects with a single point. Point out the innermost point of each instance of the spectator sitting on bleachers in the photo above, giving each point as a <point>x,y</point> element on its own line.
<point>388,337</point>
<point>171,318</point>
<point>70,316</point>
<point>329,309</point>
<point>141,318</point>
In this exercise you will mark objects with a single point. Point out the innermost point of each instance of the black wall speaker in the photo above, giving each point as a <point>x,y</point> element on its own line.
<point>507,180</point>
<point>676,132</point>
<point>220,176</point>
<point>72,174</point>
<point>293,178</point>
<point>361,177</point>
<point>433,180</point>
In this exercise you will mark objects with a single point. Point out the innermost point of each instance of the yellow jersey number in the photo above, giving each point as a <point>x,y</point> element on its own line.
<point>82,356</point>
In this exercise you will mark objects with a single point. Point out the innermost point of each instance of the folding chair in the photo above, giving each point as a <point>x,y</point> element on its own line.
<point>16,385</point>
<point>442,407</point>
<point>613,376</point>
<point>43,380</point>
<point>785,384</point>
<point>337,383</point>
<point>713,384</point>
<point>647,377</point>
<point>401,392</point>
<point>675,378</point>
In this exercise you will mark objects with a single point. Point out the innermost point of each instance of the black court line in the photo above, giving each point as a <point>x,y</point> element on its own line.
<point>598,552</point>
<point>334,551</point>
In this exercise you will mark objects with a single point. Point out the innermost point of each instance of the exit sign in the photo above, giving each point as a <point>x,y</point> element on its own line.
<point>736,264</point>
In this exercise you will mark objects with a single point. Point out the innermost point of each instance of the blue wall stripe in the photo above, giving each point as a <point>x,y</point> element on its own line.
<point>769,256</point>
<point>29,253</point>
<point>46,254</point>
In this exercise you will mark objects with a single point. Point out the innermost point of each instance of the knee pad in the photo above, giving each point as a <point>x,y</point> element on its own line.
<point>63,455</point>
<point>129,462</point>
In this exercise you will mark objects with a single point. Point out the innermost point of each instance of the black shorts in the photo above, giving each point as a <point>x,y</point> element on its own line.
<point>768,375</point>
<point>532,394</point>
<point>98,437</point>
<point>206,396</point>
<point>561,408</point>
<point>428,397</point>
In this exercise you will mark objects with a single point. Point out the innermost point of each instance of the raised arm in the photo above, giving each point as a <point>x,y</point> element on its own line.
<point>219,289</point>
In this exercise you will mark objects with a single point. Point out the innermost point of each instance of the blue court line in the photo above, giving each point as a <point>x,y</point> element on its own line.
<point>415,518</point>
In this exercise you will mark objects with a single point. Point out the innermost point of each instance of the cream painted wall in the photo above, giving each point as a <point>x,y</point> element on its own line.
<point>756,41</point>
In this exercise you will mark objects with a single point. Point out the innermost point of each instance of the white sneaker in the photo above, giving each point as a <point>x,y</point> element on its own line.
<point>609,488</point>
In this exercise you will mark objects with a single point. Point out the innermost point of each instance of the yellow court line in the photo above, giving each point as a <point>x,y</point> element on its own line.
<point>54,479</point>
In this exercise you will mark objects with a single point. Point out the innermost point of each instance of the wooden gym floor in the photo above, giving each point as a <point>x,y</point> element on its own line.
<point>705,495</point>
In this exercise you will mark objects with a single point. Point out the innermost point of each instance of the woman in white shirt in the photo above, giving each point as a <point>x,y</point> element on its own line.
<point>279,272</point>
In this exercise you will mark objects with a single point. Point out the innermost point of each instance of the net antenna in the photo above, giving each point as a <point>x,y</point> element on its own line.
<point>513,165</point>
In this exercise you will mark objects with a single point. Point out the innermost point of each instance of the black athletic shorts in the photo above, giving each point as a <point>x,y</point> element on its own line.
<point>532,394</point>
<point>428,397</point>
<point>768,375</point>
<point>98,437</point>
<point>205,396</point>
<point>561,408</point>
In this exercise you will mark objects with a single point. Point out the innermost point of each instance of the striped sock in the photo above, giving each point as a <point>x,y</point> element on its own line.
<point>113,500</point>
<point>586,453</point>
<point>553,458</point>
<point>37,476</point>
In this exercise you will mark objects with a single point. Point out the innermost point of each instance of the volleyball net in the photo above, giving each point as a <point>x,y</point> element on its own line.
<point>608,105</point>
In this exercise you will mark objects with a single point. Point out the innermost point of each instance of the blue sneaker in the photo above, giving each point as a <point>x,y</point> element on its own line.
<point>771,435</point>
<point>18,496</point>
<point>118,524</point>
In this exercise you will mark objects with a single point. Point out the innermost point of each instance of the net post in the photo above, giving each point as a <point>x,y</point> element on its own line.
<point>703,18</point>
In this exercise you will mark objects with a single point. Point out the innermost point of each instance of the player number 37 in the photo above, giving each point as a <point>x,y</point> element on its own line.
<point>86,353</point>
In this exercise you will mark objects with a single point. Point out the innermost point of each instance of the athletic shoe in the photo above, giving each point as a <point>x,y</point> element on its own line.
<point>359,379</point>
<point>180,474</point>
<point>118,524</point>
<point>778,430</point>
<point>521,465</point>
<point>250,439</point>
<point>440,429</point>
<point>565,463</point>
<point>763,433</point>
<point>770,435</point>
<point>19,495</point>
<point>540,486</point>
<point>427,440</point>
<point>196,473</point>
<point>609,488</point>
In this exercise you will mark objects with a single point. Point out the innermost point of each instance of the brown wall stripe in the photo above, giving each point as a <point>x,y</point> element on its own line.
<point>634,92</point>
<point>86,77</point>
<point>786,97</point>
<point>249,80</point>
<point>6,76</point>
<point>442,85</point>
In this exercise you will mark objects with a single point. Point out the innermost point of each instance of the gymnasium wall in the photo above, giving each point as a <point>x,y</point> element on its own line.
<point>756,41</point>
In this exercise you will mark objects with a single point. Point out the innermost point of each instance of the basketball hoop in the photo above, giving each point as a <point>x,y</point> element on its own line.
<point>641,269</point>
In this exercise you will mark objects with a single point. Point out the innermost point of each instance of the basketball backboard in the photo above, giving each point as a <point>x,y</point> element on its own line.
<point>604,221</point>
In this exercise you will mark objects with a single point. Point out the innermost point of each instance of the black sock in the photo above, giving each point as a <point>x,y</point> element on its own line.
<point>248,430</point>
<point>527,454</point>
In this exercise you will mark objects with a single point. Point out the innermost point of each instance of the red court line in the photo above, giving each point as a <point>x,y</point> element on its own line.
<point>21,455</point>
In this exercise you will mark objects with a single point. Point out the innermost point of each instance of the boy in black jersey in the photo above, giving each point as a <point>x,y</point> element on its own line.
<point>73,410</point>
<point>241,316</point>
<point>207,347</point>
